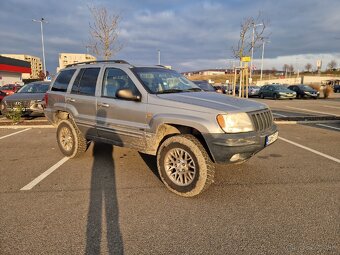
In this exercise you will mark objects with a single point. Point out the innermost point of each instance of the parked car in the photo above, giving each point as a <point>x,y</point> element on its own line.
<point>30,98</point>
<point>220,89</point>
<point>205,85</point>
<point>159,112</point>
<point>253,91</point>
<point>336,88</point>
<point>304,91</point>
<point>2,95</point>
<point>276,92</point>
<point>10,89</point>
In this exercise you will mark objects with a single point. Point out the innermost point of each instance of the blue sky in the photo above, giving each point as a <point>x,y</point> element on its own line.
<point>191,34</point>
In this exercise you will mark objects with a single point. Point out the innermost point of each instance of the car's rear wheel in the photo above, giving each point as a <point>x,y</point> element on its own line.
<point>184,165</point>
<point>261,95</point>
<point>71,141</point>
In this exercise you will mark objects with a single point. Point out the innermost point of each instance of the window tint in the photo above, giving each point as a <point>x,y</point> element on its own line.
<point>85,83</point>
<point>114,80</point>
<point>63,80</point>
<point>75,86</point>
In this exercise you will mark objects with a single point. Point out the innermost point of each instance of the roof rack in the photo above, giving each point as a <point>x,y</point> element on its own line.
<point>99,61</point>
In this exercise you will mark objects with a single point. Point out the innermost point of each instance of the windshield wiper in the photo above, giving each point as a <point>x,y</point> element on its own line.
<point>194,89</point>
<point>170,91</point>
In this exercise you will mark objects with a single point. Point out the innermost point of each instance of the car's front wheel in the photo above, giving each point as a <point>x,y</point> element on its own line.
<point>184,165</point>
<point>71,141</point>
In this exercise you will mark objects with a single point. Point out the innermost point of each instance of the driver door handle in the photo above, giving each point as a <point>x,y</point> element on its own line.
<point>71,100</point>
<point>103,105</point>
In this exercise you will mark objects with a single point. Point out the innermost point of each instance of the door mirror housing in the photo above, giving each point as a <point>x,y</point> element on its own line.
<point>128,94</point>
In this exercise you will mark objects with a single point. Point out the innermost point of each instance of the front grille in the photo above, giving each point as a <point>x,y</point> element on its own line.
<point>262,119</point>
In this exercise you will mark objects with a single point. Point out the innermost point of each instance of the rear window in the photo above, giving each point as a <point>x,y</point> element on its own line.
<point>62,81</point>
<point>85,83</point>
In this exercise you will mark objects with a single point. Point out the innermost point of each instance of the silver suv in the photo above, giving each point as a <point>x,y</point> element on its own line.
<point>156,111</point>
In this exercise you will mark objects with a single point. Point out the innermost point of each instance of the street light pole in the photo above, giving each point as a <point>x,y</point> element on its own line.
<point>159,57</point>
<point>252,47</point>
<point>42,20</point>
<point>263,43</point>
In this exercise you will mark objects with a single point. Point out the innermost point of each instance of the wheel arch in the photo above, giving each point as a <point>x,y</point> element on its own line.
<point>167,130</point>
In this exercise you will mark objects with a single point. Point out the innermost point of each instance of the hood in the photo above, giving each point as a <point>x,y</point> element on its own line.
<point>206,102</point>
<point>24,96</point>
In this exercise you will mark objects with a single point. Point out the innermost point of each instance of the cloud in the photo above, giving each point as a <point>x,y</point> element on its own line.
<point>190,34</point>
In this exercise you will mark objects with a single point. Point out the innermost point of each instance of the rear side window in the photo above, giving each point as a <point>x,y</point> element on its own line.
<point>85,83</point>
<point>62,81</point>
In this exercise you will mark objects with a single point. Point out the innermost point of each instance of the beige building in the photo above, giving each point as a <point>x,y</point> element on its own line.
<point>36,65</point>
<point>72,58</point>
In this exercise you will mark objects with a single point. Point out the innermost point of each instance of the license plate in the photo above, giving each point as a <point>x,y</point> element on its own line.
<point>271,138</point>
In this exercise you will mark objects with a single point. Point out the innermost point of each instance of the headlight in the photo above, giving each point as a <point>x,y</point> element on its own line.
<point>235,122</point>
<point>282,93</point>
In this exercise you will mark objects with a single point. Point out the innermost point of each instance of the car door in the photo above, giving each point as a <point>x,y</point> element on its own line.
<point>123,122</point>
<point>270,91</point>
<point>82,100</point>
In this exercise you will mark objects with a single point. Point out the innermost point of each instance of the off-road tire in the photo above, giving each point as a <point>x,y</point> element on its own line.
<point>204,168</point>
<point>77,142</point>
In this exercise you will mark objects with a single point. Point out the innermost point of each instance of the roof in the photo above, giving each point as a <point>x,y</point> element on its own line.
<point>14,65</point>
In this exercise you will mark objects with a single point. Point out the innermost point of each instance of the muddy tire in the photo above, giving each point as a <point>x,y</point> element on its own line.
<point>71,141</point>
<point>184,165</point>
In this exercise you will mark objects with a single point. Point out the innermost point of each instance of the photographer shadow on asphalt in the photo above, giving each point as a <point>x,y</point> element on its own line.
<point>103,213</point>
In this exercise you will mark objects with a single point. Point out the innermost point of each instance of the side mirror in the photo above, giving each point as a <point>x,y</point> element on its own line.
<point>128,94</point>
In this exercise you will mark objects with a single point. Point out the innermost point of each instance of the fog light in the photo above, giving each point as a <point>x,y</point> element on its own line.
<point>235,157</point>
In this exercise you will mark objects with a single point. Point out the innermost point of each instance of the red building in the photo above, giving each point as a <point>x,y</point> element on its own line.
<point>11,70</point>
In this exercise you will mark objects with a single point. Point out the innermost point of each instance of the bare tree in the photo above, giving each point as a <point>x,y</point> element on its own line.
<point>104,32</point>
<point>285,67</point>
<point>308,67</point>
<point>245,45</point>
<point>332,65</point>
<point>290,69</point>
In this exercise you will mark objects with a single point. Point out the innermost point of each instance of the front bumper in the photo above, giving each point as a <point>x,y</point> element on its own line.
<point>285,96</point>
<point>35,109</point>
<point>225,147</point>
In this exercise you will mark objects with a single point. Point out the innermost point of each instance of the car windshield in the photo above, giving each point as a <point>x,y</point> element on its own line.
<point>204,85</point>
<point>305,87</point>
<point>280,87</point>
<point>7,87</point>
<point>159,80</point>
<point>34,88</point>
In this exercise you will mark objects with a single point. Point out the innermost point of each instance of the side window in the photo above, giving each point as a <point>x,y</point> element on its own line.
<point>62,81</point>
<point>85,83</point>
<point>114,80</point>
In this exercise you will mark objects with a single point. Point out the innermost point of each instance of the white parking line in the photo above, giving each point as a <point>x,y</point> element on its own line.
<point>311,150</point>
<point>3,137</point>
<point>322,125</point>
<point>279,114</point>
<point>306,110</point>
<point>44,174</point>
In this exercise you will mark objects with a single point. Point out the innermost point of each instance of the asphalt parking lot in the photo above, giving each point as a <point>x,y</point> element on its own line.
<point>285,200</point>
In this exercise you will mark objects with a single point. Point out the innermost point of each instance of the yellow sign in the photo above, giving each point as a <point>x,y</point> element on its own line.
<point>245,59</point>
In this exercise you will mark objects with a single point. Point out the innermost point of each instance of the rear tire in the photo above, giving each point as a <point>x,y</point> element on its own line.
<point>71,141</point>
<point>261,96</point>
<point>184,165</point>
